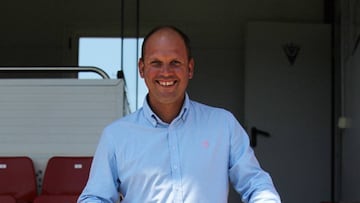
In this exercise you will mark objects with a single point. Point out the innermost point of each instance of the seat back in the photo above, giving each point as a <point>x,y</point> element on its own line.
<point>17,175</point>
<point>56,199</point>
<point>66,175</point>
<point>7,199</point>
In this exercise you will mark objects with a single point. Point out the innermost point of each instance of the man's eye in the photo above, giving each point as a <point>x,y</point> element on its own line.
<point>176,63</point>
<point>156,63</point>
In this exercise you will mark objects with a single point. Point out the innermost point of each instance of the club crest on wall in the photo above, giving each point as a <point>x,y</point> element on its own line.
<point>291,51</point>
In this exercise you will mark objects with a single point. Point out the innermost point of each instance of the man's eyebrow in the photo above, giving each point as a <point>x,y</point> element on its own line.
<point>154,61</point>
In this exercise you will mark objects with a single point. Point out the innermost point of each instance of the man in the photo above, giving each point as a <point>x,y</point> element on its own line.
<point>173,149</point>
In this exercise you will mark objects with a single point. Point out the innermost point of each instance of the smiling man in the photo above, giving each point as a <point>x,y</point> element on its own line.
<point>173,149</point>
<point>166,67</point>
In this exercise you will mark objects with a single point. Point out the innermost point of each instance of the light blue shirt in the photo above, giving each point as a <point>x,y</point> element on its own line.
<point>189,160</point>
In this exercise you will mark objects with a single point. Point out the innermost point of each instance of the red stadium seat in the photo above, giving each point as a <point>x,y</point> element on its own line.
<point>56,199</point>
<point>17,175</point>
<point>64,179</point>
<point>7,199</point>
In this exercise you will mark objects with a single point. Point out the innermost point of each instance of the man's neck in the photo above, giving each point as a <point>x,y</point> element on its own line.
<point>166,112</point>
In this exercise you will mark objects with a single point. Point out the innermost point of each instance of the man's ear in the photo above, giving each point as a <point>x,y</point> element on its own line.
<point>191,68</point>
<point>141,68</point>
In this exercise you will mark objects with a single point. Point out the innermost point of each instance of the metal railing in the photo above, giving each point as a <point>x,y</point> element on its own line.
<point>93,69</point>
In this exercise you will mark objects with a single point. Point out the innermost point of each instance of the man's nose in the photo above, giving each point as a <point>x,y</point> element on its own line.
<point>166,69</point>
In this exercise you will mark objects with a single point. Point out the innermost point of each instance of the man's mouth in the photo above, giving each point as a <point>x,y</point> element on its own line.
<point>166,83</point>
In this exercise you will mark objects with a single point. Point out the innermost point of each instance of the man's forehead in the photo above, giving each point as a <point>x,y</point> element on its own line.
<point>163,39</point>
<point>165,33</point>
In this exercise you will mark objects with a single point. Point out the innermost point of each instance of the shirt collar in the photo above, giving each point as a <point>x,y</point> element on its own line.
<point>155,120</point>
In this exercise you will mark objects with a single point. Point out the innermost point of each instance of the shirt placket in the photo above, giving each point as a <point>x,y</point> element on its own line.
<point>175,164</point>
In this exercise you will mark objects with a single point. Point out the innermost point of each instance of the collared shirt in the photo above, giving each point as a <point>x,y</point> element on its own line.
<point>189,160</point>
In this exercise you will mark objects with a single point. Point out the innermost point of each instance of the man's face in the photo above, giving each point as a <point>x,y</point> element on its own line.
<point>166,67</point>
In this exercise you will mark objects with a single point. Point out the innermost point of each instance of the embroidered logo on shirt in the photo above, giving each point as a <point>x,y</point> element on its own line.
<point>205,144</point>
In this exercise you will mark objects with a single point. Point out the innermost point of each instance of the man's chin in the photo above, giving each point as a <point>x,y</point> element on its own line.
<point>169,98</point>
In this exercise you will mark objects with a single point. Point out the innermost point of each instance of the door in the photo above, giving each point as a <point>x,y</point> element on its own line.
<point>288,106</point>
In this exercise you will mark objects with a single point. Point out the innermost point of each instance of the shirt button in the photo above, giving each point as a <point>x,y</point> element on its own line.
<point>175,167</point>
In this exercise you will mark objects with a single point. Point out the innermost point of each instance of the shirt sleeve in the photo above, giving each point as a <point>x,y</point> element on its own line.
<point>254,184</point>
<point>103,182</point>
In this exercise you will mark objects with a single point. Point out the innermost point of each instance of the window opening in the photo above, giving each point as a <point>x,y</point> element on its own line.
<point>105,53</point>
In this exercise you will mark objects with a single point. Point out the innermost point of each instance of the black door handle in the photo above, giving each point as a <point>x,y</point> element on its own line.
<point>253,135</point>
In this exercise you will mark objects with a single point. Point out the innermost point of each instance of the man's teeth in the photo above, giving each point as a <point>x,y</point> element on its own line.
<point>166,83</point>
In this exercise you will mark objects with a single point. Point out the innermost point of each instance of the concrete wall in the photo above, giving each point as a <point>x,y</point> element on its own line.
<point>350,100</point>
<point>37,33</point>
